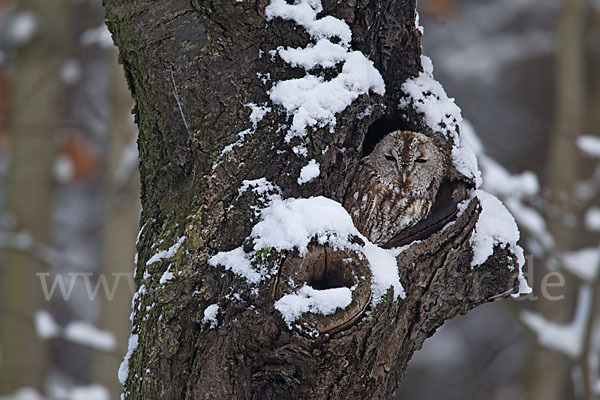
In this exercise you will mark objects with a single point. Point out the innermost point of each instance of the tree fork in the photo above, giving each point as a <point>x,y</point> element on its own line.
<point>193,68</point>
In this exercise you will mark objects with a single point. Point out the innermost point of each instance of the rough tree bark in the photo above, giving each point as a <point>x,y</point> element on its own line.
<point>192,67</point>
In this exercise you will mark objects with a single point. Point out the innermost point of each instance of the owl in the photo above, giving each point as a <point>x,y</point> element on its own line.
<point>396,185</point>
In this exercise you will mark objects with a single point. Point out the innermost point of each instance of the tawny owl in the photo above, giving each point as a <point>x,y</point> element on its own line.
<point>396,185</point>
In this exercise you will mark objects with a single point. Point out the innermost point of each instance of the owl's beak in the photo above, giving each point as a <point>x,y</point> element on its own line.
<point>404,176</point>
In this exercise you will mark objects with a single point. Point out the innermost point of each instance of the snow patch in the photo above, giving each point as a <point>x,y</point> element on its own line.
<point>592,219</point>
<point>566,339</point>
<point>124,367</point>
<point>309,172</point>
<point>323,53</point>
<point>166,254</point>
<point>22,28</point>
<point>384,268</point>
<point>495,226</point>
<point>70,72</point>
<point>465,161</point>
<point>257,113</point>
<point>589,145</point>
<point>45,326</point>
<point>429,97</point>
<point>418,23</point>
<point>292,224</point>
<point>139,235</point>
<point>307,299</point>
<point>238,262</point>
<point>583,263</point>
<point>166,276</point>
<point>304,13</point>
<point>312,101</point>
<point>87,334</point>
<point>210,315</point>
<point>91,392</point>
<point>259,186</point>
<point>79,332</point>
<point>441,114</point>
<point>99,35</point>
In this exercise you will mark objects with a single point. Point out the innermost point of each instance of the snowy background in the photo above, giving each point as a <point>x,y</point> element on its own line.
<point>526,75</point>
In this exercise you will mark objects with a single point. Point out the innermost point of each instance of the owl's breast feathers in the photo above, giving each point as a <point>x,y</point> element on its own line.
<point>381,210</point>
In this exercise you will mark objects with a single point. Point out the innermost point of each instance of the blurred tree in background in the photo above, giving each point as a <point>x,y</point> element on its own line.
<point>70,208</point>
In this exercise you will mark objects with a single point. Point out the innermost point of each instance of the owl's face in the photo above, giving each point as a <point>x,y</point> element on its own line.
<point>409,162</point>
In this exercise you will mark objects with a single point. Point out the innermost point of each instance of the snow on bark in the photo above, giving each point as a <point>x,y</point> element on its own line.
<point>514,190</point>
<point>124,367</point>
<point>418,23</point>
<point>304,13</point>
<point>210,315</point>
<point>496,225</point>
<point>257,113</point>
<point>166,254</point>
<point>307,299</point>
<point>309,172</point>
<point>292,224</point>
<point>166,276</point>
<point>313,101</point>
<point>262,187</point>
<point>441,114</point>
<point>238,262</point>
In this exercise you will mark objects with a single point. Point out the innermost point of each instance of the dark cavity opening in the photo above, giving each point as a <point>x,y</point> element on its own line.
<point>378,130</point>
<point>327,283</point>
<point>333,273</point>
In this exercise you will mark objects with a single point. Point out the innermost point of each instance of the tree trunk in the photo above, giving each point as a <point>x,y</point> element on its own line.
<point>196,70</point>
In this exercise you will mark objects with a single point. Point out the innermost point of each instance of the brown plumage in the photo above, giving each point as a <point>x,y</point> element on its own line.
<point>396,185</point>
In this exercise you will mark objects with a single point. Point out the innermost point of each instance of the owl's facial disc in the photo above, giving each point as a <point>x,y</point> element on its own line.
<point>418,159</point>
<point>395,159</point>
